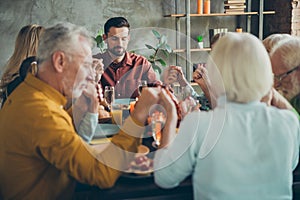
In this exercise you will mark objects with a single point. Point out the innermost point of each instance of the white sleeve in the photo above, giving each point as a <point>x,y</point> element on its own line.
<point>87,126</point>
<point>176,162</point>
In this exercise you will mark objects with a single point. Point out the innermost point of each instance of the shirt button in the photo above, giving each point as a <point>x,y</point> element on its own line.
<point>119,95</point>
<point>118,81</point>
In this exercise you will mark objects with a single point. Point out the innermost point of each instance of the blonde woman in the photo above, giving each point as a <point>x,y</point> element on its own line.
<point>242,149</point>
<point>25,46</point>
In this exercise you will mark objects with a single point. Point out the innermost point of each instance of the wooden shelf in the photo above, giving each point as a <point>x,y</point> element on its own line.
<point>220,14</point>
<point>192,50</point>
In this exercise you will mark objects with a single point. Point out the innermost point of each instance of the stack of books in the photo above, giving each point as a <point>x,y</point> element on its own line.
<point>234,6</point>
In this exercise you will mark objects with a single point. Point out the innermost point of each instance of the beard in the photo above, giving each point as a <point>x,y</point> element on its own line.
<point>117,50</point>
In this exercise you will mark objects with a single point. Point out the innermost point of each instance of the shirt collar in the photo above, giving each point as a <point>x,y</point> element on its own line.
<point>48,91</point>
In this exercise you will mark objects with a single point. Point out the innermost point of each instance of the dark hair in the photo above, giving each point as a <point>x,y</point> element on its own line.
<point>216,37</point>
<point>115,22</point>
<point>26,67</point>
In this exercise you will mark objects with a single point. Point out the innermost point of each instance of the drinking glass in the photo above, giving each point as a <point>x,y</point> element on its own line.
<point>109,94</point>
<point>142,84</point>
<point>117,114</point>
<point>157,123</point>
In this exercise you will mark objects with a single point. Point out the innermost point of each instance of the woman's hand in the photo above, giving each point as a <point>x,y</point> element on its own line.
<point>175,74</point>
<point>148,98</point>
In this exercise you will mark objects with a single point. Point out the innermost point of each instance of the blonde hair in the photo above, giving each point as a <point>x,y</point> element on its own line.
<point>272,40</point>
<point>26,45</point>
<point>244,66</point>
<point>288,53</point>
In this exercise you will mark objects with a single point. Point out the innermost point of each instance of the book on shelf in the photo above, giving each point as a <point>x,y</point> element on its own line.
<point>234,11</point>
<point>215,31</point>
<point>228,6</point>
<point>234,1</point>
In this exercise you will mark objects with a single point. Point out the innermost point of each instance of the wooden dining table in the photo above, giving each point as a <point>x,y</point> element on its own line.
<point>132,186</point>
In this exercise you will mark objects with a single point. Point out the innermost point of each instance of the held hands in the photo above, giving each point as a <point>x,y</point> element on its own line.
<point>175,74</point>
<point>274,98</point>
<point>151,96</point>
<point>200,76</point>
<point>98,68</point>
<point>89,98</point>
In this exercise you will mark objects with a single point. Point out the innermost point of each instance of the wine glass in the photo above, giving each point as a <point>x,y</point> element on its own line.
<point>157,123</point>
<point>109,94</point>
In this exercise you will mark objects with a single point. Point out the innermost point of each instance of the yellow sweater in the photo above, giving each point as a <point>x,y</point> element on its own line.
<point>40,152</point>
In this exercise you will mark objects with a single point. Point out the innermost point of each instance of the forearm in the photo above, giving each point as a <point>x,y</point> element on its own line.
<point>169,130</point>
<point>87,126</point>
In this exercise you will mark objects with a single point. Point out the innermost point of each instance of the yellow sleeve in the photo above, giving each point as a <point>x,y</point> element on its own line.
<point>62,147</point>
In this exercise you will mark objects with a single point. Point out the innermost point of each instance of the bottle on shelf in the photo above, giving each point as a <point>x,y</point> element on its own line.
<point>199,7</point>
<point>239,30</point>
<point>206,8</point>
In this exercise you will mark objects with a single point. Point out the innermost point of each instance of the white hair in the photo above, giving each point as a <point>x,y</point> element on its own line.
<point>61,37</point>
<point>244,66</point>
<point>288,53</point>
<point>272,40</point>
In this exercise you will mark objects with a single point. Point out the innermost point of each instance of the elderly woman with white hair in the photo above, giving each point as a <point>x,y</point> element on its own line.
<point>242,149</point>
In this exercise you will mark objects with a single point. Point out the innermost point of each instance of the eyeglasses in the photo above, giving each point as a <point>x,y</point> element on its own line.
<point>280,77</point>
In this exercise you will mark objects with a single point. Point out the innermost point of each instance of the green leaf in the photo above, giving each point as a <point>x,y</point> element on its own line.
<point>157,68</point>
<point>162,62</point>
<point>159,45</point>
<point>166,53</point>
<point>163,39</point>
<point>156,34</point>
<point>168,48</point>
<point>149,46</point>
<point>100,32</point>
<point>99,39</point>
<point>200,38</point>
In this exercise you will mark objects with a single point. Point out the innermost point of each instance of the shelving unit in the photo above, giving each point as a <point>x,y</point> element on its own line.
<point>178,16</point>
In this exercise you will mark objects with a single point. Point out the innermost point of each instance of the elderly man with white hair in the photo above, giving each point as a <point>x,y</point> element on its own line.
<point>285,61</point>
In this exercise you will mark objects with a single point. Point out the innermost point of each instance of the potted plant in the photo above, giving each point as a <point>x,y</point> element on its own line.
<point>99,41</point>
<point>200,41</point>
<point>155,59</point>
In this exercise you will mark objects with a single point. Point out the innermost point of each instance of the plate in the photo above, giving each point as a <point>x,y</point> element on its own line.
<point>106,130</point>
<point>137,174</point>
<point>104,120</point>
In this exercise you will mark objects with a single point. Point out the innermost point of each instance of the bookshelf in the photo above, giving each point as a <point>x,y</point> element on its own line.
<point>188,15</point>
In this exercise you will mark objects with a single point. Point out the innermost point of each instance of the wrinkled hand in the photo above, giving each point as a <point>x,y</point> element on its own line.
<point>148,98</point>
<point>167,103</point>
<point>268,98</point>
<point>200,76</point>
<point>89,98</point>
<point>274,98</point>
<point>175,74</point>
<point>98,68</point>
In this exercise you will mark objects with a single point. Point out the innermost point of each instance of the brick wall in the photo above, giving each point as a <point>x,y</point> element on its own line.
<point>286,19</point>
<point>295,22</point>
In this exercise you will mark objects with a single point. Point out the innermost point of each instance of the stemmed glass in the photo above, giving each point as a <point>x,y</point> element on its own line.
<point>109,95</point>
<point>157,123</point>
